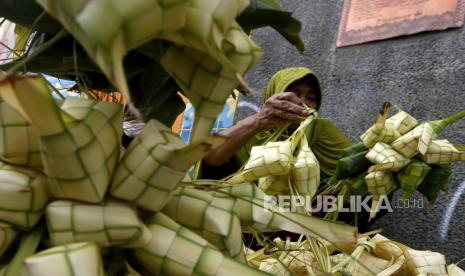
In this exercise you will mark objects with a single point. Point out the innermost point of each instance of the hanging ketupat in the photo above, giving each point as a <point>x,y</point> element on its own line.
<point>215,49</point>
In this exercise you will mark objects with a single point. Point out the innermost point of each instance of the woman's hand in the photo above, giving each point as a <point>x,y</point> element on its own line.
<point>280,109</point>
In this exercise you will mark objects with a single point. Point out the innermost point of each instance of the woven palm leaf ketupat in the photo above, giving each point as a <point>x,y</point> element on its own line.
<point>113,223</point>
<point>19,140</point>
<point>379,183</point>
<point>211,217</point>
<point>402,122</point>
<point>273,158</point>
<point>67,260</point>
<point>386,158</point>
<point>206,81</point>
<point>23,195</point>
<point>380,132</point>
<point>442,152</point>
<point>154,164</point>
<point>79,140</point>
<point>415,141</point>
<point>176,250</point>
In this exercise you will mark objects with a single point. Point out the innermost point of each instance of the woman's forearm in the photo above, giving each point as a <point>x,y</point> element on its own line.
<point>238,135</point>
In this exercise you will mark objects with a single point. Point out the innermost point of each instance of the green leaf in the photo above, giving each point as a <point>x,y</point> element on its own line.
<point>261,13</point>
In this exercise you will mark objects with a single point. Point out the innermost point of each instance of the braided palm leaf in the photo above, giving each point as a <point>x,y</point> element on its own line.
<point>23,195</point>
<point>442,152</point>
<point>415,141</point>
<point>7,235</point>
<point>306,170</point>
<point>380,131</point>
<point>206,81</point>
<point>176,250</point>
<point>386,158</point>
<point>111,223</point>
<point>379,183</point>
<point>67,260</point>
<point>19,141</point>
<point>107,39</point>
<point>211,217</point>
<point>154,164</point>
<point>402,122</point>
<point>273,158</point>
<point>274,184</point>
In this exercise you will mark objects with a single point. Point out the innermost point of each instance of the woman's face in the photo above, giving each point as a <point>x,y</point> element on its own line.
<point>305,92</point>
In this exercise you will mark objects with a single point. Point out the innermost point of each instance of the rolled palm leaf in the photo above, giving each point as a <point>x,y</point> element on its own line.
<point>442,152</point>
<point>402,122</point>
<point>380,132</point>
<point>306,170</point>
<point>379,183</point>
<point>415,141</point>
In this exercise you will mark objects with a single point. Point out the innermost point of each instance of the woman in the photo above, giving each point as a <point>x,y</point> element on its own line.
<point>287,92</point>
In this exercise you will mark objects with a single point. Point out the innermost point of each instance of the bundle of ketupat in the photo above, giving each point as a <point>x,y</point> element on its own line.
<point>283,167</point>
<point>399,152</point>
<point>375,255</point>
<point>191,230</point>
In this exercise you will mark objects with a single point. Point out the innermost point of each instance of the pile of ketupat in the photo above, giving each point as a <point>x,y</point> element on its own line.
<point>399,152</point>
<point>108,211</point>
<point>395,152</point>
<point>94,196</point>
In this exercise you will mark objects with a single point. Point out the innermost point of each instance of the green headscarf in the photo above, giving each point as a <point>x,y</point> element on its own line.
<point>285,77</point>
<point>324,138</point>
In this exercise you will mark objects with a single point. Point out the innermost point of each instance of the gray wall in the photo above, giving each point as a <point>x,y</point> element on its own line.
<point>424,74</point>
